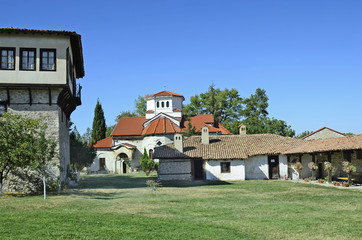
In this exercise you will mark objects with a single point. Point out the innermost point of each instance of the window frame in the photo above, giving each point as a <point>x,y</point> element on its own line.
<point>1,57</point>
<point>228,165</point>
<point>21,59</point>
<point>41,59</point>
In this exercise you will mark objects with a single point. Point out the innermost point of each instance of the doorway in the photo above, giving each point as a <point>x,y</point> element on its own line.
<point>124,167</point>
<point>273,162</point>
<point>198,169</point>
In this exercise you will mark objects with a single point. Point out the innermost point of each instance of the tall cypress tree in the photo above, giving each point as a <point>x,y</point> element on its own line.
<point>99,124</point>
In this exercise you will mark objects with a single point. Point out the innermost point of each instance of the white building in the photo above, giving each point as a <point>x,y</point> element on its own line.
<point>163,118</point>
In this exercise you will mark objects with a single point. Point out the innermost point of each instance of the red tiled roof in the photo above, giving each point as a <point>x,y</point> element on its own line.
<point>129,126</point>
<point>353,142</point>
<point>133,126</point>
<point>177,110</point>
<point>129,145</point>
<point>161,126</point>
<point>229,147</point>
<point>104,143</point>
<point>165,93</point>
<point>150,111</point>
<point>321,130</point>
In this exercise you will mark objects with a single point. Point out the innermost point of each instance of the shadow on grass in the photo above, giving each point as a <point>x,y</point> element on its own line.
<point>135,180</point>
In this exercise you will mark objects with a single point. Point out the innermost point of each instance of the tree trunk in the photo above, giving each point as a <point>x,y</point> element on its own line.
<point>1,184</point>
<point>329,175</point>
<point>349,178</point>
<point>313,174</point>
<point>78,176</point>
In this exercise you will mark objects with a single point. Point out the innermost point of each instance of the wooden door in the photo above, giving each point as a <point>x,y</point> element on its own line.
<point>273,162</point>
<point>198,169</point>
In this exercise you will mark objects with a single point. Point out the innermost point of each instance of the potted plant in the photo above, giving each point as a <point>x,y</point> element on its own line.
<point>345,184</point>
<point>320,180</point>
<point>349,169</point>
<point>306,179</point>
<point>335,183</point>
<point>313,167</point>
<point>330,169</point>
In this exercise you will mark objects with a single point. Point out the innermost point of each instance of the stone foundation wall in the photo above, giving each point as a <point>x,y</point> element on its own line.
<point>38,105</point>
<point>174,169</point>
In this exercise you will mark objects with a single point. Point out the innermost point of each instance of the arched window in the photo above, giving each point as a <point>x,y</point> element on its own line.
<point>150,153</point>
<point>162,104</point>
<point>167,104</point>
<point>158,104</point>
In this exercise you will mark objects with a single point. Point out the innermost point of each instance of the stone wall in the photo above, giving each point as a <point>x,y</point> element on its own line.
<point>36,105</point>
<point>174,169</point>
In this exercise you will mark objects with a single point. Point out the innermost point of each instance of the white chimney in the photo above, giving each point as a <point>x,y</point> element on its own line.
<point>179,144</point>
<point>242,129</point>
<point>205,135</point>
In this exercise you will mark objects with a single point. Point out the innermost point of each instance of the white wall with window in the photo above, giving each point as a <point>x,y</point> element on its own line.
<point>225,170</point>
<point>33,59</point>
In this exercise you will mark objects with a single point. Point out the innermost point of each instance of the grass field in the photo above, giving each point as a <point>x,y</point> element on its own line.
<point>122,207</point>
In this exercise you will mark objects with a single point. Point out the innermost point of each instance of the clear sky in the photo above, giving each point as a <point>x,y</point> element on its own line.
<point>306,54</point>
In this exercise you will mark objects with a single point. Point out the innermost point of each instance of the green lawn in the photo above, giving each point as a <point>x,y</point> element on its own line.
<point>122,207</point>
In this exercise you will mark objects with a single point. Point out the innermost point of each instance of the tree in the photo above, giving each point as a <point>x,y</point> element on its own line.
<point>140,105</point>
<point>80,154</point>
<point>256,116</point>
<point>124,114</point>
<point>303,134</point>
<point>147,164</point>
<point>190,130</point>
<point>110,130</point>
<point>87,136</point>
<point>23,145</point>
<point>225,105</point>
<point>99,124</point>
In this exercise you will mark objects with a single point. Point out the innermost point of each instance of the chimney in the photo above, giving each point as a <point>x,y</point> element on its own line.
<point>179,144</point>
<point>242,129</point>
<point>205,135</point>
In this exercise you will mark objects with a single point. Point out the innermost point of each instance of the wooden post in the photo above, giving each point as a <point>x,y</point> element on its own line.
<point>45,188</point>
<point>349,178</point>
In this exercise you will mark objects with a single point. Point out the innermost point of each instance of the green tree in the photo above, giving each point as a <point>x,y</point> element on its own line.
<point>190,130</point>
<point>256,118</point>
<point>110,130</point>
<point>87,136</point>
<point>140,105</point>
<point>99,124</point>
<point>23,145</point>
<point>124,114</point>
<point>81,155</point>
<point>225,105</point>
<point>147,164</point>
<point>303,134</point>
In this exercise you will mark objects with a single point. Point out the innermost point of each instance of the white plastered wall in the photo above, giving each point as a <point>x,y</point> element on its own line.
<point>213,170</point>
<point>60,43</point>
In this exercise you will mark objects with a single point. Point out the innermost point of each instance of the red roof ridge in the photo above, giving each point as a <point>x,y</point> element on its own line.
<point>165,93</point>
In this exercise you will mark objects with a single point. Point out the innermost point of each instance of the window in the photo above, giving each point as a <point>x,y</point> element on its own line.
<point>167,104</point>
<point>150,153</point>
<point>225,167</point>
<point>7,60</point>
<point>27,58</point>
<point>158,104</point>
<point>2,108</point>
<point>102,164</point>
<point>47,59</point>
<point>162,104</point>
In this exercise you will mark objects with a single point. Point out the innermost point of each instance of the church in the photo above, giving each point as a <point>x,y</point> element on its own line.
<point>121,152</point>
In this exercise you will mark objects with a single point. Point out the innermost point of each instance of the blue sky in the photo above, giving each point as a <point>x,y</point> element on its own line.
<point>306,54</point>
